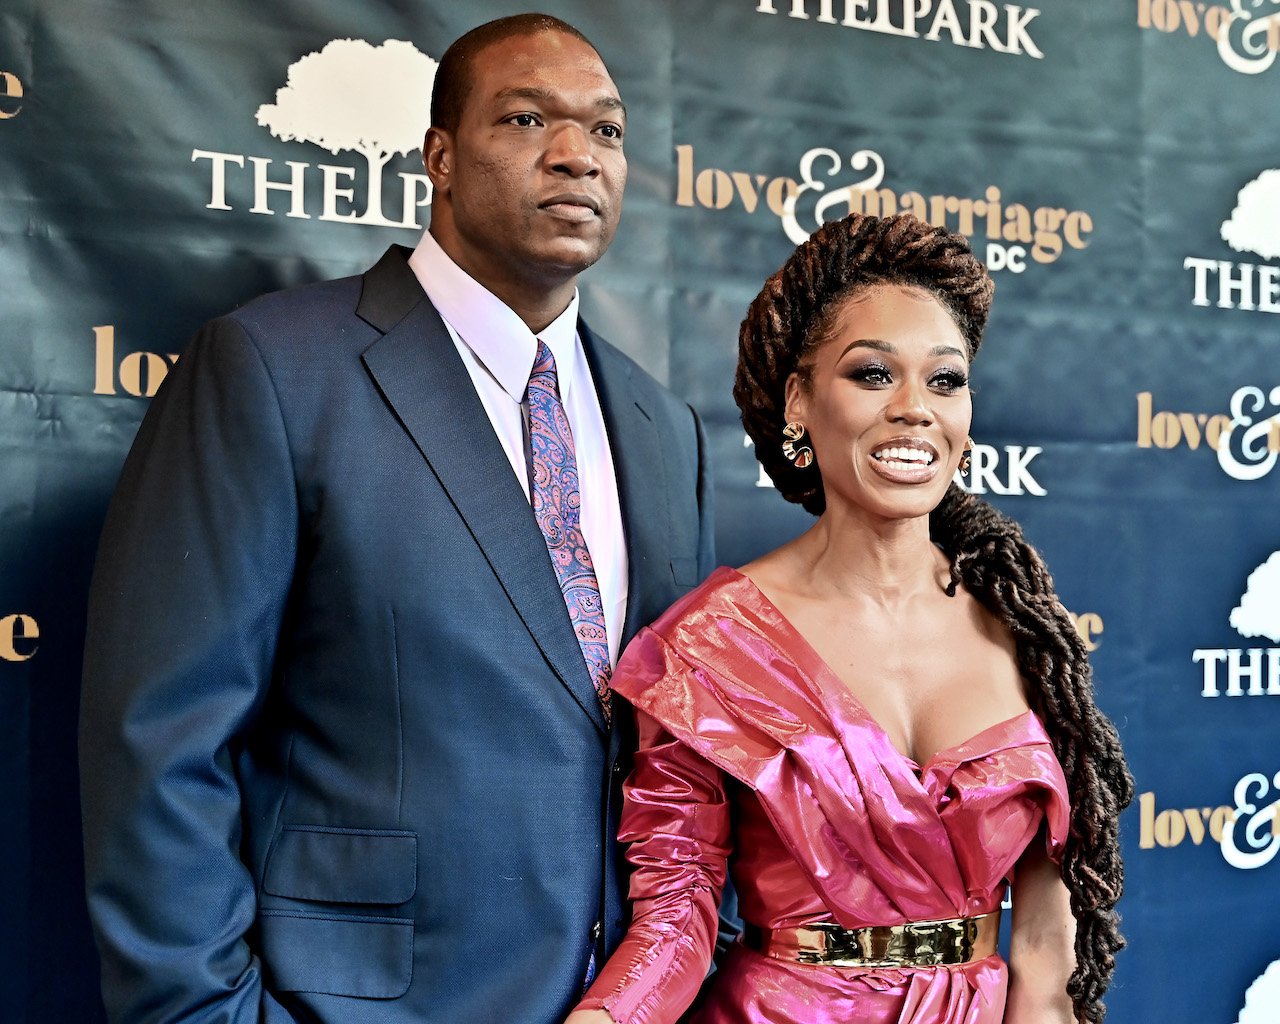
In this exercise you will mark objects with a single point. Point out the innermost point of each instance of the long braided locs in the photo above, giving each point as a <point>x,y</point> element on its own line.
<point>993,562</point>
<point>791,317</point>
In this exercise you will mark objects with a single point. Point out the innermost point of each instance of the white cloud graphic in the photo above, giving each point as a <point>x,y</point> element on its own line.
<point>1262,1001</point>
<point>1258,613</point>
<point>1254,225</point>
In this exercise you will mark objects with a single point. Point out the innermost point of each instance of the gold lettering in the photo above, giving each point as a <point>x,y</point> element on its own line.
<point>966,208</point>
<point>142,372</point>
<point>1146,821</point>
<point>1171,828</point>
<point>778,192</point>
<point>1213,429</point>
<point>713,188</point>
<point>913,203</point>
<point>1017,223</point>
<point>993,212</point>
<point>1165,431</point>
<point>1218,820</point>
<point>10,88</point>
<point>1215,21</point>
<point>14,628</point>
<point>879,202</point>
<point>1048,243</point>
<point>104,360</point>
<point>1088,625</point>
<point>1164,15</point>
<point>684,174</point>
<point>938,211</point>
<point>1078,225</point>
<point>139,373</point>
<point>1144,419</point>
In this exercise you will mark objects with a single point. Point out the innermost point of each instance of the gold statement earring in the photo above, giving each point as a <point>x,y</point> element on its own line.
<point>965,460</point>
<point>801,455</point>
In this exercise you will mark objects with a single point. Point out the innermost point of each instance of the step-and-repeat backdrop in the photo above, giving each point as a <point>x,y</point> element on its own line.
<point>1114,161</point>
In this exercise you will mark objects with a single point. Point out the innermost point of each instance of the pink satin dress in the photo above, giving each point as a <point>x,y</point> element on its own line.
<point>750,746</point>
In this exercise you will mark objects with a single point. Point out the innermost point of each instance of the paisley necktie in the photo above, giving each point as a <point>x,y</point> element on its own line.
<point>557,503</point>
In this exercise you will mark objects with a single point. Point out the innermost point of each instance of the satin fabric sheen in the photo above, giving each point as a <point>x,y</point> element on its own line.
<point>750,744</point>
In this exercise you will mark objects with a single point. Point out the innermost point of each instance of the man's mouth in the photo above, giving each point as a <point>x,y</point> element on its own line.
<point>572,205</point>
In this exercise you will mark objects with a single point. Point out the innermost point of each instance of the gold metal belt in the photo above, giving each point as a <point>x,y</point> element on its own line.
<point>959,940</point>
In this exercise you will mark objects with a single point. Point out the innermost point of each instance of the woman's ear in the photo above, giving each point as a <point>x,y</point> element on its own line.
<point>797,398</point>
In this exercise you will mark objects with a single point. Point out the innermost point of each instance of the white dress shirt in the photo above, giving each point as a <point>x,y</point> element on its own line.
<point>498,350</point>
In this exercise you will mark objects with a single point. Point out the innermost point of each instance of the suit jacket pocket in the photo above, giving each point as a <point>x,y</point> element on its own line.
<point>326,920</point>
<point>348,955</point>
<point>343,865</point>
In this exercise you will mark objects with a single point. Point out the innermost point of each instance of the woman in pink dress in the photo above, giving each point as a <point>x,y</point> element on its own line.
<point>880,725</point>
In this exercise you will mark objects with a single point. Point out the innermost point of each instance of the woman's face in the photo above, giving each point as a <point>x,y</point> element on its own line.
<point>886,403</point>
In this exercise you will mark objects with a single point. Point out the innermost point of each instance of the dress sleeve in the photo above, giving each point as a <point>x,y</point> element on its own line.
<point>676,817</point>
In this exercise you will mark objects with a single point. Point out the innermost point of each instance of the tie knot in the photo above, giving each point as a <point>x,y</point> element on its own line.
<point>544,363</point>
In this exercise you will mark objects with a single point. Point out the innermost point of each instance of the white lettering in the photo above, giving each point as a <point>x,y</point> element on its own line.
<point>1239,671</point>
<point>1262,848</point>
<point>984,466</point>
<point>1246,454</point>
<point>1201,267</point>
<point>217,175</point>
<point>293,187</point>
<point>983,30</point>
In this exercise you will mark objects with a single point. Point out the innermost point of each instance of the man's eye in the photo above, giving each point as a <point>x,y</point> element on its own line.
<point>610,131</point>
<point>523,120</point>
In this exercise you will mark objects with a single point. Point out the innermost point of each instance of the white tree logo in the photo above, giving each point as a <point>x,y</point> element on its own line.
<point>375,100</point>
<point>1254,225</point>
<point>1258,613</point>
<point>1262,1001</point>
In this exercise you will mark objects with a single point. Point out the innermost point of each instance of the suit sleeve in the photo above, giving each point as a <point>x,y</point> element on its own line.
<point>189,588</point>
<point>676,817</point>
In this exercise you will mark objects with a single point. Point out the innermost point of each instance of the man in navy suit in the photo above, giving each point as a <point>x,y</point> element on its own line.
<point>343,757</point>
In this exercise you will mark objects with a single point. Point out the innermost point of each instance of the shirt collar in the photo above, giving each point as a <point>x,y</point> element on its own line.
<point>498,338</point>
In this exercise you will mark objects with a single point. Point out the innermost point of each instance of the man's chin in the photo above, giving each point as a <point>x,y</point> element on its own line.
<point>569,257</point>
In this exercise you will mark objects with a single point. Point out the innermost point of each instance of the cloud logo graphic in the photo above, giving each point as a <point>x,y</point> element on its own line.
<point>1258,613</point>
<point>1254,225</point>
<point>1262,1001</point>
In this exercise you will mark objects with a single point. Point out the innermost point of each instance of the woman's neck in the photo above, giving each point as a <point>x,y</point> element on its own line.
<point>887,562</point>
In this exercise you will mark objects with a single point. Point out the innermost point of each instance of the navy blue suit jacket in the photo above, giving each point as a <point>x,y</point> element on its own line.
<point>341,757</point>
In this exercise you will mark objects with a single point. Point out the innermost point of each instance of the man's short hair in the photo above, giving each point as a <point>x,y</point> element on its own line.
<point>453,76</point>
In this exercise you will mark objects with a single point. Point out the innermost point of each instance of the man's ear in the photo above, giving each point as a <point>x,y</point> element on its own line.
<point>797,398</point>
<point>437,158</point>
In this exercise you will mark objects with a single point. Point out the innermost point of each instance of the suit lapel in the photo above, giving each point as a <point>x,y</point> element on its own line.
<point>642,492</point>
<point>420,374</point>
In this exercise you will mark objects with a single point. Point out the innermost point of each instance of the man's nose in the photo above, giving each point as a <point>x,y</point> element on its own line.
<point>570,152</point>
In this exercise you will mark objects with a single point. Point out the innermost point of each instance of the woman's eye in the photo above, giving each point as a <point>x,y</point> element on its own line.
<point>949,380</point>
<point>871,374</point>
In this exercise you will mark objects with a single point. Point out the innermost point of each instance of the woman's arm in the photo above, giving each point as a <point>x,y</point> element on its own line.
<point>676,817</point>
<point>1042,943</point>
